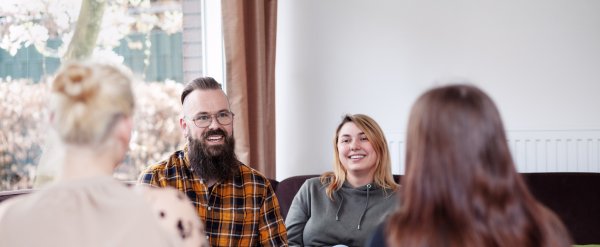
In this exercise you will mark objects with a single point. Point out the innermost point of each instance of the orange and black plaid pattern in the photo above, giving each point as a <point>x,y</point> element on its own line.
<point>242,211</point>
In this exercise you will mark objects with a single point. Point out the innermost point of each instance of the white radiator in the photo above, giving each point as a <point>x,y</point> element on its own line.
<point>534,151</point>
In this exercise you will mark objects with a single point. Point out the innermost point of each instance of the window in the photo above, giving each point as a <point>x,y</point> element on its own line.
<point>213,39</point>
<point>145,35</point>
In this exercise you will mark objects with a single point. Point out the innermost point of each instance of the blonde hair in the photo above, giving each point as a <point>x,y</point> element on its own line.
<point>88,98</point>
<point>383,168</point>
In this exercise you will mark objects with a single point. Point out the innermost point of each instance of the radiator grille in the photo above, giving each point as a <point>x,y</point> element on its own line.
<point>534,151</point>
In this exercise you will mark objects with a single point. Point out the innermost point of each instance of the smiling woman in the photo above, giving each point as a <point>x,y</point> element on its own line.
<point>344,206</point>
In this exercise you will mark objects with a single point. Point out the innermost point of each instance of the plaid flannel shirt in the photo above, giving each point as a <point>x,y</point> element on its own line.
<point>242,211</point>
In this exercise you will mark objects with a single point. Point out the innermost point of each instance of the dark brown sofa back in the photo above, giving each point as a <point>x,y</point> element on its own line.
<point>288,187</point>
<point>8,194</point>
<point>574,197</point>
<point>286,190</point>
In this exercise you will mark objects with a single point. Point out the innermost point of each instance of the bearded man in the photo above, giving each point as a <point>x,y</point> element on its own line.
<point>236,203</point>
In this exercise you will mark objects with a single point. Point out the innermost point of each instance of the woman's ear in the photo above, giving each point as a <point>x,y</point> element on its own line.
<point>51,117</point>
<point>121,137</point>
<point>123,131</point>
<point>119,141</point>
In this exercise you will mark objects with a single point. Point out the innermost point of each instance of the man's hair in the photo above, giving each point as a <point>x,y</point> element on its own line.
<point>201,83</point>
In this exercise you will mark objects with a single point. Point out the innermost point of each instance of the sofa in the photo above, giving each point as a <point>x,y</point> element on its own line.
<point>574,197</point>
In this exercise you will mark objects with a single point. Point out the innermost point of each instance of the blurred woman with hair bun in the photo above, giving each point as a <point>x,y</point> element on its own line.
<point>91,108</point>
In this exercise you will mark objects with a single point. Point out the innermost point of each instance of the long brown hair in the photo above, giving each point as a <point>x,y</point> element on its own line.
<point>383,171</point>
<point>461,187</point>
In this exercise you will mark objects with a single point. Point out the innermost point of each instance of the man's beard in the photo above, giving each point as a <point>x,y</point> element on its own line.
<point>217,162</point>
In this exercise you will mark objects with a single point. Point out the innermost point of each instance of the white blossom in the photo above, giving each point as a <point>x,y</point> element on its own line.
<point>27,22</point>
<point>145,22</point>
<point>171,22</point>
<point>107,56</point>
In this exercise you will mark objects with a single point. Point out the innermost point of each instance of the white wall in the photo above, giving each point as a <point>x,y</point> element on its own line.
<point>538,59</point>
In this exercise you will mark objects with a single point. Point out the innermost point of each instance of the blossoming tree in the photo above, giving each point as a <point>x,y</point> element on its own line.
<point>84,26</point>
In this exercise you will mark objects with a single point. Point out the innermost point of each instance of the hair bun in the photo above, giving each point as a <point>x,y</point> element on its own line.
<point>76,82</point>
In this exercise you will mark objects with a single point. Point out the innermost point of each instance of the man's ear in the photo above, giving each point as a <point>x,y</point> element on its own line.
<point>183,125</point>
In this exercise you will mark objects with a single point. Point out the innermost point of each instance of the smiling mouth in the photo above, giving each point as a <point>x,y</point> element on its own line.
<point>356,156</point>
<point>214,138</point>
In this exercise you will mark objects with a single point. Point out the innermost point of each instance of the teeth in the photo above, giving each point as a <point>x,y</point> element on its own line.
<point>214,138</point>
<point>356,156</point>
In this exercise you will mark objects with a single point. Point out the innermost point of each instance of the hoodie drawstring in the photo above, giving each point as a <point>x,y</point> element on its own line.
<point>337,218</point>
<point>366,206</point>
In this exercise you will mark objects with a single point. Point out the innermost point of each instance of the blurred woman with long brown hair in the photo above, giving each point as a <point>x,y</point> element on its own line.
<point>461,187</point>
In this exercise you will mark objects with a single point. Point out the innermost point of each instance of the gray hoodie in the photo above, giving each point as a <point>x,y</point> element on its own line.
<point>316,220</point>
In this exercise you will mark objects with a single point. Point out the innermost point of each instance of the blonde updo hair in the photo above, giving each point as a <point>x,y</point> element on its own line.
<point>87,100</point>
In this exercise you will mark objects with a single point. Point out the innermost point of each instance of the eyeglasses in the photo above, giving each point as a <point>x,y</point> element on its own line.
<point>204,120</point>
